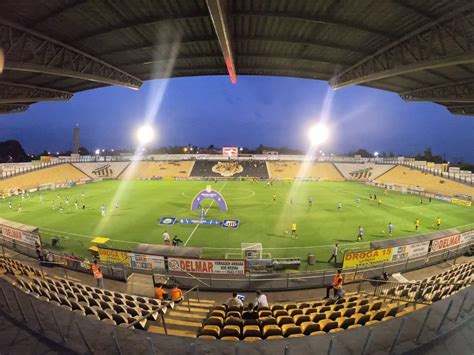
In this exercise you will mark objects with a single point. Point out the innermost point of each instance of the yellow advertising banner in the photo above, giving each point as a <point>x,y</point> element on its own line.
<point>366,257</point>
<point>461,202</point>
<point>112,256</point>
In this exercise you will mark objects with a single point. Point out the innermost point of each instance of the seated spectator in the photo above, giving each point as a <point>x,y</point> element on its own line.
<point>176,294</point>
<point>337,281</point>
<point>234,301</point>
<point>250,313</point>
<point>260,300</point>
<point>160,293</point>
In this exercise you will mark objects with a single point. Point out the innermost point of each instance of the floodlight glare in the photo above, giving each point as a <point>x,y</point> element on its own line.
<point>318,134</point>
<point>145,134</point>
<point>97,151</point>
<point>376,154</point>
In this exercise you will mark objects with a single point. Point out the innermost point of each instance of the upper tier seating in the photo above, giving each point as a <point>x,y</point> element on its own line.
<point>157,169</point>
<point>233,168</point>
<point>57,174</point>
<point>402,175</point>
<point>293,169</point>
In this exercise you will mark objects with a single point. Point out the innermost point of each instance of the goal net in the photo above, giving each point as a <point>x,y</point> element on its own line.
<point>252,250</point>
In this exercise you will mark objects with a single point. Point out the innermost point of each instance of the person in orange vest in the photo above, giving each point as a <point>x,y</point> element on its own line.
<point>98,274</point>
<point>160,293</point>
<point>176,294</point>
<point>336,284</point>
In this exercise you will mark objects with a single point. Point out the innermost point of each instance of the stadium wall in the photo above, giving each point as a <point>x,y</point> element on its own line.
<point>67,331</point>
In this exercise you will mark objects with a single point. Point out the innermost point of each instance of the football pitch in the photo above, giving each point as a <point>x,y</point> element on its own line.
<point>141,204</point>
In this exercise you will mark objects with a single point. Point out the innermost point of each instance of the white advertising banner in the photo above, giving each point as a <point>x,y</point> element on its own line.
<point>146,262</point>
<point>19,235</point>
<point>446,242</point>
<point>410,251</point>
<point>207,266</point>
<point>103,170</point>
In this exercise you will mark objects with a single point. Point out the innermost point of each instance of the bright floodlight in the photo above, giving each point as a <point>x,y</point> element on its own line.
<point>145,134</point>
<point>376,154</point>
<point>318,134</point>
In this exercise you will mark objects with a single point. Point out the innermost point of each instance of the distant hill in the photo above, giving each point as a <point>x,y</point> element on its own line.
<point>12,152</point>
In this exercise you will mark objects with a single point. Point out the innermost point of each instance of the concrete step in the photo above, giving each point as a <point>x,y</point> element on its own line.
<point>192,315</point>
<point>176,332</point>
<point>193,309</point>
<point>211,302</point>
<point>183,323</point>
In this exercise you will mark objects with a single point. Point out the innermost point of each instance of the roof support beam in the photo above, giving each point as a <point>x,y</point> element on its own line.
<point>434,45</point>
<point>12,108</point>
<point>218,12</point>
<point>462,91</point>
<point>16,93</point>
<point>464,110</point>
<point>29,51</point>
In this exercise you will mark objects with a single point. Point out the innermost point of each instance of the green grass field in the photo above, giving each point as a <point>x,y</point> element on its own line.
<point>142,203</point>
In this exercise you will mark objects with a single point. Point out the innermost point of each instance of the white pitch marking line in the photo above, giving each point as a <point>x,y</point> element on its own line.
<point>197,225</point>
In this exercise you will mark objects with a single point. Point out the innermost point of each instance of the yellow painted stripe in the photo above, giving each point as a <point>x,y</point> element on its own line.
<point>202,301</point>
<point>174,313</point>
<point>193,309</point>
<point>182,322</point>
<point>176,332</point>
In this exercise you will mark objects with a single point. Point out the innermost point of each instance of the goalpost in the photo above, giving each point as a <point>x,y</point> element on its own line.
<point>252,250</point>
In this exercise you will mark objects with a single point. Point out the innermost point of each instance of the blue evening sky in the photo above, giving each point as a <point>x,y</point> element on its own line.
<point>274,111</point>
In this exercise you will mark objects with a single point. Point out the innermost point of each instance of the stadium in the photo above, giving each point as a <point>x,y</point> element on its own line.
<point>91,239</point>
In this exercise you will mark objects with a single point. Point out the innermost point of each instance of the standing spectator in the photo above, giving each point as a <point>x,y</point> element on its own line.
<point>234,301</point>
<point>38,252</point>
<point>260,300</point>
<point>176,241</point>
<point>336,283</point>
<point>98,274</point>
<point>160,293</point>
<point>333,255</point>
<point>176,294</point>
<point>250,313</point>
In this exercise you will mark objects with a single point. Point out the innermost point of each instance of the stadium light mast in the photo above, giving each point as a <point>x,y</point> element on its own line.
<point>318,134</point>
<point>145,135</point>
<point>376,154</point>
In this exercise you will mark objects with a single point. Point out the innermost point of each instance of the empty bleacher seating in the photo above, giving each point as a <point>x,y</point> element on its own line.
<point>407,177</point>
<point>157,169</point>
<point>293,169</point>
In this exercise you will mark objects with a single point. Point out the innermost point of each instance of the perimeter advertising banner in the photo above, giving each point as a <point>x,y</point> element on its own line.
<point>146,262</point>
<point>19,235</point>
<point>410,251</point>
<point>207,266</point>
<point>113,256</point>
<point>446,242</point>
<point>366,257</point>
<point>231,152</point>
<point>461,202</point>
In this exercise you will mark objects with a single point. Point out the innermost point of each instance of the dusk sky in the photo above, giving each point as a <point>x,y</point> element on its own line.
<point>274,111</point>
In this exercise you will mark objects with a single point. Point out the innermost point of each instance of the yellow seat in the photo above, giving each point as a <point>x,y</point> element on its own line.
<point>354,326</point>
<point>296,335</point>
<point>318,332</point>
<point>271,329</point>
<point>251,339</point>
<point>288,329</point>
<point>273,337</point>
<point>230,338</point>
<point>336,330</point>
<point>231,331</point>
<point>251,331</point>
<point>212,330</point>
<point>206,337</point>
<point>371,322</point>
<point>327,324</point>
<point>309,327</point>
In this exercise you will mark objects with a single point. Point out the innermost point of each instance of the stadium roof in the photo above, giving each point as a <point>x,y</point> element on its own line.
<point>423,50</point>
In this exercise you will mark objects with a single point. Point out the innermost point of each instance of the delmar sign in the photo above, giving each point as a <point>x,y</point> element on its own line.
<point>207,266</point>
<point>366,257</point>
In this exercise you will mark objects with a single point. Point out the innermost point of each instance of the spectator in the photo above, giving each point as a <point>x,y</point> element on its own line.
<point>333,255</point>
<point>49,257</point>
<point>160,293</point>
<point>260,300</point>
<point>250,313</point>
<point>98,274</point>
<point>336,282</point>
<point>176,294</point>
<point>38,252</point>
<point>166,238</point>
<point>234,301</point>
<point>340,293</point>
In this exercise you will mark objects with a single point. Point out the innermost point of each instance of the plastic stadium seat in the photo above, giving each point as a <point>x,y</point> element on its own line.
<point>234,309</point>
<point>134,312</point>
<point>341,300</point>
<point>262,314</point>
<point>233,321</point>
<point>294,312</point>
<point>230,331</point>
<point>251,331</point>
<point>317,304</point>
<point>309,327</point>
<point>288,329</point>
<point>303,305</point>
<point>271,330</point>
<point>290,306</point>
<point>296,335</point>
<point>267,321</point>
<point>120,301</point>
<point>252,339</point>
<point>93,302</point>
<point>322,309</point>
<point>361,318</point>
<point>218,321</point>
<point>284,320</point>
<point>330,302</point>
<point>362,302</point>
<point>93,316</point>
<point>337,307</point>
<point>251,322</point>
<point>316,317</point>
<point>142,324</point>
<point>362,309</point>
<point>391,311</point>
<point>220,308</point>
<point>102,314</point>
<point>376,306</point>
<point>319,332</point>
<point>279,313</point>
<point>109,321</point>
<point>276,307</point>
<point>90,311</point>
<point>336,330</point>
<point>234,314</point>
<point>351,304</point>
<point>119,319</point>
<point>354,326</point>
<point>300,318</point>
<point>327,324</point>
<point>371,322</point>
<point>275,337</point>
<point>332,315</point>
<point>345,322</point>
<point>311,310</point>
<point>230,338</point>
<point>206,337</point>
<point>387,318</point>
<point>212,330</point>
<point>217,313</point>
<point>377,315</point>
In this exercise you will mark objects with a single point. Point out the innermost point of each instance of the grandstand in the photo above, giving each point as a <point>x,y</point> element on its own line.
<point>222,168</point>
<point>157,169</point>
<point>58,174</point>
<point>303,170</point>
<point>402,175</point>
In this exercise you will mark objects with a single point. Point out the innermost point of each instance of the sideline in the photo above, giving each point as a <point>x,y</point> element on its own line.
<point>197,225</point>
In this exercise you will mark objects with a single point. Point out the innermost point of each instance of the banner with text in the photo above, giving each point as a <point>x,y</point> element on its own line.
<point>366,257</point>
<point>207,266</point>
<point>146,262</point>
<point>15,234</point>
<point>410,251</point>
<point>114,256</point>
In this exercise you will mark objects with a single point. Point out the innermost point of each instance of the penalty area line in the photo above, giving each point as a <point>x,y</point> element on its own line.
<point>197,225</point>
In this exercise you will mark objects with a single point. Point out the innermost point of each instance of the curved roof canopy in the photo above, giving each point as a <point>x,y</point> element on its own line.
<point>423,50</point>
